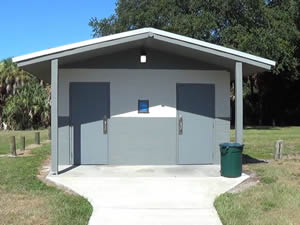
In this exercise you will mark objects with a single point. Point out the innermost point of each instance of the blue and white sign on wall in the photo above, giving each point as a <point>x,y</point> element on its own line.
<point>143,106</point>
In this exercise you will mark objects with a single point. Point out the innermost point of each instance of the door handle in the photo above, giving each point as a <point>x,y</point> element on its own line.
<point>105,125</point>
<point>180,125</point>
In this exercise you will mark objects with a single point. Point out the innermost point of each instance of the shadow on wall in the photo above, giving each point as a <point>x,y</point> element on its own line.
<point>89,104</point>
<point>87,112</point>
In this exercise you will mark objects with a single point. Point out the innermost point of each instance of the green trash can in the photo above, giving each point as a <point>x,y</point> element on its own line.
<point>231,159</point>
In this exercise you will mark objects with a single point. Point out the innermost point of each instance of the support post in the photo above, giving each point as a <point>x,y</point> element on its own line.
<point>278,151</point>
<point>54,116</point>
<point>22,140</point>
<point>13,149</point>
<point>49,133</point>
<point>37,138</point>
<point>239,102</point>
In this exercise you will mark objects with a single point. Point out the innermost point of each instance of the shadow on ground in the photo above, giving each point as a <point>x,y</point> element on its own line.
<point>262,128</point>
<point>249,160</point>
<point>67,169</point>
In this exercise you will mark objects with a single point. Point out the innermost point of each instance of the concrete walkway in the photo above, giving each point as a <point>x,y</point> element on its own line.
<point>149,195</point>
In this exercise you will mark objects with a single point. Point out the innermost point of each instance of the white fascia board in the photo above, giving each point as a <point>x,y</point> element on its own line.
<point>79,45</point>
<point>213,46</point>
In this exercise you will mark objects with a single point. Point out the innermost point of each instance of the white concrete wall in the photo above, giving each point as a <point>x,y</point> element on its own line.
<point>158,86</point>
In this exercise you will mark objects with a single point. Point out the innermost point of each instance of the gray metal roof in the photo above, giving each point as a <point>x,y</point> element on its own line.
<point>38,63</point>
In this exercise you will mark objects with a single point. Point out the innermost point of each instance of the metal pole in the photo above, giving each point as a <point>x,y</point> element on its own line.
<point>239,102</point>
<point>54,116</point>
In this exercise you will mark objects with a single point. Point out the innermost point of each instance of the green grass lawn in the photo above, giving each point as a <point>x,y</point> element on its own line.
<point>25,200</point>
<point>259,143</point>
<point>29,138</point>
<point>276,199</point>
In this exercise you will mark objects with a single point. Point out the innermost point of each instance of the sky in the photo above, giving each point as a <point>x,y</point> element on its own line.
<point>27,26</point>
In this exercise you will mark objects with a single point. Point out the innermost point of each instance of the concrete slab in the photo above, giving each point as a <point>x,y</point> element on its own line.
<point>141,171</point>
<point>144,195</point>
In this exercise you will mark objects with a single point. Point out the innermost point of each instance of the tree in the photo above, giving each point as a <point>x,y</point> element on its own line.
<point>28,108</point>
<point>24,100</point>
<point>11,77</point>
<point>268,28</point>
<point>265,28</point>
<point>194,18</point>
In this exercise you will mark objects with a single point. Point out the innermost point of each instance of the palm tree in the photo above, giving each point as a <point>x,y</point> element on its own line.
<point>11,77</point>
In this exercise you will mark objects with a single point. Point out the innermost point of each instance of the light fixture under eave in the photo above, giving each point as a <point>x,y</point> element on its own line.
<point>143,57</point>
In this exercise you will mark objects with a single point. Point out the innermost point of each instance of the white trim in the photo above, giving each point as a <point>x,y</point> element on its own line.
<point>151,31</point>
<point>213,46</point>
<point>78,45</point>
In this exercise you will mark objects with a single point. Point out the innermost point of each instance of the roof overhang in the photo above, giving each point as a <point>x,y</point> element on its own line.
<point>38,63</point>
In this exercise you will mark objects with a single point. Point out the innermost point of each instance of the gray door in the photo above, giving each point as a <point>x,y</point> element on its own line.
<point>89,109</point>
<point>195,119</point>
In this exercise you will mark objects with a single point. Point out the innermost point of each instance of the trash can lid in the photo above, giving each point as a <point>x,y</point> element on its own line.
<point>231,144</point>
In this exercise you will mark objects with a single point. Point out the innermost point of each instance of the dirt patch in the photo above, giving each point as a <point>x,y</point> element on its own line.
<point>44,171</point>
<point>294,156</point>
<point>292,160</point>
<point>20,153</point>
<point>30,209</point>
<point>45,168</point>
<point>250,182</point>
<point>28,151</point>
